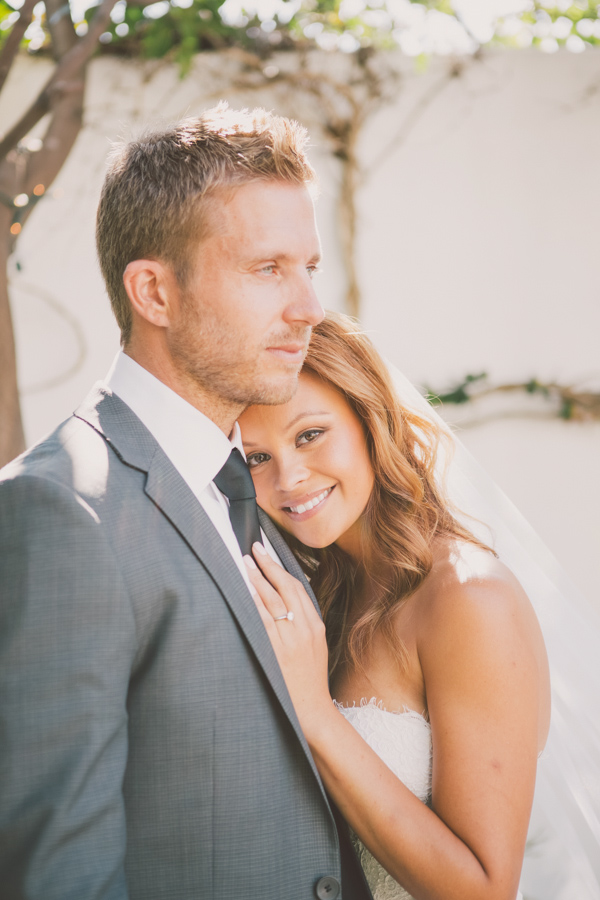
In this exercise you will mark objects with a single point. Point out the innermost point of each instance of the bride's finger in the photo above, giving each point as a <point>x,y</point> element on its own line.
<point>267,620</point>
<point>287,587</point>
<point>269,597</point>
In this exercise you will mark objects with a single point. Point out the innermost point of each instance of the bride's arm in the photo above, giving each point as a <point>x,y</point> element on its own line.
<point>482,684</point>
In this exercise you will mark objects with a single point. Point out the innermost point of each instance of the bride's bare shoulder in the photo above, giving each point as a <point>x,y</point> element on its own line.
<point>469,585</point>
<point>477,631</point>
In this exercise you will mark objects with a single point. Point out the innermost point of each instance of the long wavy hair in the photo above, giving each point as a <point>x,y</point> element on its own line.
<point>406,511</point>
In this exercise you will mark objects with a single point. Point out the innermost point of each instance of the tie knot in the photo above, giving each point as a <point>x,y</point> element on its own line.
<point>234,480</point>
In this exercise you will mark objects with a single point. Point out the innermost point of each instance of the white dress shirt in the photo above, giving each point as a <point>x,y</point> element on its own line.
<point>195,445</point>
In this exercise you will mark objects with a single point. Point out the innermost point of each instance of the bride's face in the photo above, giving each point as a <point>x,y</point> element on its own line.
<point>310,465</point>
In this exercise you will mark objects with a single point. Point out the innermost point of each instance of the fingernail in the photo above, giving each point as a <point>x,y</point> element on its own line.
<point>258,548</point>
<point>250,562</point>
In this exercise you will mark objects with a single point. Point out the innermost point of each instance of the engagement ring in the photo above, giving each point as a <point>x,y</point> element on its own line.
<point>289,616</point>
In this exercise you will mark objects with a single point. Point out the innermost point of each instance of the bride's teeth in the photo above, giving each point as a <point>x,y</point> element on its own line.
<point>310,504</point>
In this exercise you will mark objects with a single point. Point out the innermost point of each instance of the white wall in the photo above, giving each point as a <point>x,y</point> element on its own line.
<point>478,249</point>
<point>479,252</point>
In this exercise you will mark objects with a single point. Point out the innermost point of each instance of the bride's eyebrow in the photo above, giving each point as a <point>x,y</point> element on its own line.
<point>306,415</point>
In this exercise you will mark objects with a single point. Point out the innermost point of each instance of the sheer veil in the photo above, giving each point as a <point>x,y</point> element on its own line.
<point>562,860</point>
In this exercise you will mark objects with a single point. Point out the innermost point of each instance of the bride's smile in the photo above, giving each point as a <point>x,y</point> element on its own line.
<point>307,507</point>
<point>310,464</point>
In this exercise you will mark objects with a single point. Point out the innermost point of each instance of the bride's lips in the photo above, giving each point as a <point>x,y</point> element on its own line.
<point>298,511</point>
<point>292,353</point>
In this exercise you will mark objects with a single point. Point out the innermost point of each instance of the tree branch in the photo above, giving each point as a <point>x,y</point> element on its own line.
<point>570,402</point>
<point>70,66</point>
<point>60,26</point>
<point>36,111</point>
<point>43,167</point>
<point>12,439</point>
<point>13,41</point>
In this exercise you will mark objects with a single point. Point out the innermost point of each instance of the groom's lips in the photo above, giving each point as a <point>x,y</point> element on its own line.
<point>294,353</point>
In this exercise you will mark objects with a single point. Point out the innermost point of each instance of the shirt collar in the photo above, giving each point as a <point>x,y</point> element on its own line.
<point>194,443</point>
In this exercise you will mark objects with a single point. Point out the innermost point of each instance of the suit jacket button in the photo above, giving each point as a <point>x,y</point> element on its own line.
<point>327,888</point>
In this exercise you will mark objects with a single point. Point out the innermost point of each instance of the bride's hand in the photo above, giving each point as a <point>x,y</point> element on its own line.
<point>298,641</point>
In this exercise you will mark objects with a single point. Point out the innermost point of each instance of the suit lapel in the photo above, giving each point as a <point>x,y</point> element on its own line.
<point>285,554</point>
<point>167,489</point>
<point>136,447</point>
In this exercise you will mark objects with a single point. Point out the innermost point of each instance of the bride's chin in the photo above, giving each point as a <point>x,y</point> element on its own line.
<point>313,543</point>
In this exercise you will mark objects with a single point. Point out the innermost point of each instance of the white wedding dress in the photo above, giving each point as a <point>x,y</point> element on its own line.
<point>403,741</point>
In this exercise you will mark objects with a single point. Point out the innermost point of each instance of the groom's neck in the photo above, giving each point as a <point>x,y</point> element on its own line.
<point>222,412</point>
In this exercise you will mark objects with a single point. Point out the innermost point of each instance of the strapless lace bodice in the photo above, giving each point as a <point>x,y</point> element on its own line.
<point>403,741</point>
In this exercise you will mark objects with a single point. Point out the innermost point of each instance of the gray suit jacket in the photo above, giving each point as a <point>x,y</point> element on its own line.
<point>148,745</point>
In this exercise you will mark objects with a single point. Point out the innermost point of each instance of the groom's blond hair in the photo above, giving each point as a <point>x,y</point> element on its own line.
<point>159,189</point>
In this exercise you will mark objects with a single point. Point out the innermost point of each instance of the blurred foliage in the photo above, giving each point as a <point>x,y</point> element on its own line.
<point>178,29</point>
<point>458,394</point>
<point>564,401</point>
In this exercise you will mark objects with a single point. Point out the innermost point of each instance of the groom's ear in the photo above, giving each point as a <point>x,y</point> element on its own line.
<point>152,290</point>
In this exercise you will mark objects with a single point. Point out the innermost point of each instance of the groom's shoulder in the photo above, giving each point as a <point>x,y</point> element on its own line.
<point>77,457</point>
<point>39,488</point>
<point>52,457</point>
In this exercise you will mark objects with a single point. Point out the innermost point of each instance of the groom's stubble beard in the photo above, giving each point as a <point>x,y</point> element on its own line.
<point>220,362</point>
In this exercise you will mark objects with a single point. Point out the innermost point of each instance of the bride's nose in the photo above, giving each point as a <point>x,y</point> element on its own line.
<point>291,473</point>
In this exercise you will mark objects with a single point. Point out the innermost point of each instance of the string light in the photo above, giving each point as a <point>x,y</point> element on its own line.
<point>20,204</point>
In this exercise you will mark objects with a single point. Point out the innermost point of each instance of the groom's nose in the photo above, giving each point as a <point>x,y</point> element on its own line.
<point>303,305</point>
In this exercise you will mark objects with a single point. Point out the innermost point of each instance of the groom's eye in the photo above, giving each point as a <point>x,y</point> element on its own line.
<point>255,459</point>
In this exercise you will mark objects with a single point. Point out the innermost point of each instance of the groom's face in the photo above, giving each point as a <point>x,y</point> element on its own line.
<point>245,315</point>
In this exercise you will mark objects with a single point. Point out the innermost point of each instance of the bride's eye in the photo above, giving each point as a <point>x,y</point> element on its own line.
<point>307,437</point>
<point>255,459</point>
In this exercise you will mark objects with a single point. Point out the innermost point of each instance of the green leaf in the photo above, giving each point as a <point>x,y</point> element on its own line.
<point>566,410</point>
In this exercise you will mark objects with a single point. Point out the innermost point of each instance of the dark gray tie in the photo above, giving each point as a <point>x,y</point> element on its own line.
<point>235,481</point>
